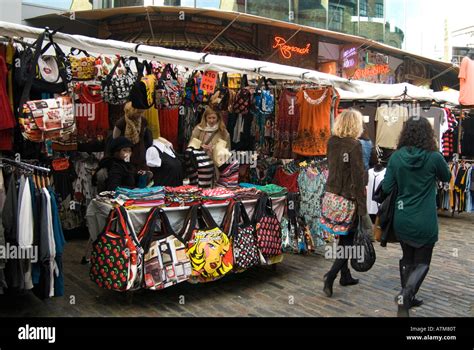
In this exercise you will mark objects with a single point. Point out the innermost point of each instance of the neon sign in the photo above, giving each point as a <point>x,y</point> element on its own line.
<point>288,50</point>
<point>348,59</point>
<point>371,71</point>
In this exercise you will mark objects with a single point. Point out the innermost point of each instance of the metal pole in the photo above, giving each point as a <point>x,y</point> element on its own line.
<point>384,18</point>
<point>358,17</point>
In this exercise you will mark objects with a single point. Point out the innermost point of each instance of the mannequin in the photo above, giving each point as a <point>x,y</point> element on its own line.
<point>164,164</point>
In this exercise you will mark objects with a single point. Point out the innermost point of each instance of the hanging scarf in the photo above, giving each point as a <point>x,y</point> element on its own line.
<point>133,128</point>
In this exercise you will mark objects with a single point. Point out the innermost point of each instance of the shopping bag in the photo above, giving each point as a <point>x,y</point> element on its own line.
<point>165,259</point>
<point>209,249</point>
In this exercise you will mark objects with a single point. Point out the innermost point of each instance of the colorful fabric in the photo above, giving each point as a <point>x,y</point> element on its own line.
<point>229,177</point>
<point>287,121</point>
<point>337,214</point>
<point>288,181</point>
<point>141,193</point>
<point>312,184</point>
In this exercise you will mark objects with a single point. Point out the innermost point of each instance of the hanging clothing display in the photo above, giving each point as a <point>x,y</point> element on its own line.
<point>375,178</point>
<point>169,123</point>
<point>390,120</point>
<point>152,118</point>
<point>448,135</point>
<point>467,143</point>
<point>30,221</point>
<point>438,120</point>
<point>7,120</point>
<point>92,118</point>
<point>368,112</point>
<point>287,121</point>
<point>199,167</point>
<point>312,183</point>
<point>314,126</point>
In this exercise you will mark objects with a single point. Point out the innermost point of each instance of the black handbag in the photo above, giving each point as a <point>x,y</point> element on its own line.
<point>237,225</point>
<point>364,246</point>
<point>116,89</point>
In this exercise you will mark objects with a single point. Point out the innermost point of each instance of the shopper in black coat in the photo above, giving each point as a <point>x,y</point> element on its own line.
<point>120,172</point>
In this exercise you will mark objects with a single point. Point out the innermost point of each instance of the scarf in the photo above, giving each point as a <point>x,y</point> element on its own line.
<point>132,129</point>
<point>208,128</point>
<point>208,132</point>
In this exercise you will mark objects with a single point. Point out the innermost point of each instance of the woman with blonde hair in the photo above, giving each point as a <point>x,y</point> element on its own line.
<point>134,127</point>
<point>210,130</point>
<point>346,179</point>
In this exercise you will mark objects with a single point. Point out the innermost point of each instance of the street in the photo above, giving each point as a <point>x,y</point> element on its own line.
<point>293,289</point>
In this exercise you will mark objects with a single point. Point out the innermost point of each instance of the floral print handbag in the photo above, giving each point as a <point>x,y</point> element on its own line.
<point>337,214</point>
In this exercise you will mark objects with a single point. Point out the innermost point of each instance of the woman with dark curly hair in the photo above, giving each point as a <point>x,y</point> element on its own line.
<point>414,169</point>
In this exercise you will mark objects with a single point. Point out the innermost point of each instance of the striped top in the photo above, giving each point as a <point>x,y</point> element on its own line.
<point>199,167</point>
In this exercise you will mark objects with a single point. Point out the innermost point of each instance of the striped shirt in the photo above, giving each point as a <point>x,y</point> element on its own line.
<point>199,167</point>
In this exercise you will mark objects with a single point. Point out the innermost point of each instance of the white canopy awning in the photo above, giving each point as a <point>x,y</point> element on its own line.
<point>359,90</point>
<point>189,59</point>
<point>450,96</point>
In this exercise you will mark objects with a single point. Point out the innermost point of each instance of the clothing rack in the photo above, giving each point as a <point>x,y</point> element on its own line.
<point>24,165</point>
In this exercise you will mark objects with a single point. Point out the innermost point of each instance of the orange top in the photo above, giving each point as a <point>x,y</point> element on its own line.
<point>314,129</point>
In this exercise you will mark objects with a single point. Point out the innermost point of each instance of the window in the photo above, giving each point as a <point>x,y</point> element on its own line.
<point>363,8</point>
<point>336,15</point>
<point>379,10</point>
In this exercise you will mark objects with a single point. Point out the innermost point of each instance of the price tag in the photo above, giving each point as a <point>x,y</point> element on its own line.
<point>209,81</point>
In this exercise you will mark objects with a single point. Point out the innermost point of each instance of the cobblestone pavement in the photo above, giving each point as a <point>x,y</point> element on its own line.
<point>293,289</point>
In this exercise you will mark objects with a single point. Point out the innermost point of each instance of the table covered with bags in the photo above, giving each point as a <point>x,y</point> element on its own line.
<point>160,247</point>
<point>98,211</point>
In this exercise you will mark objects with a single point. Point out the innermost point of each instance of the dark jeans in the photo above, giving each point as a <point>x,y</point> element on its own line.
<point>414,256</point>
<point>342,264</point>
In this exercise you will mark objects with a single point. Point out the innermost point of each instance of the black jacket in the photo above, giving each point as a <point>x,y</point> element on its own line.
<point>120,173</point>
<point>386,213</point>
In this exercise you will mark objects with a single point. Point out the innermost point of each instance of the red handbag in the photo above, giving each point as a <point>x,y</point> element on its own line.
<point>115,257</point>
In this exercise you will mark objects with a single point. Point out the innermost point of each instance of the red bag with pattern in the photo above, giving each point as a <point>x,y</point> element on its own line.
<point>116,256</point>
<point>242,101</point>
<point>267,228</point>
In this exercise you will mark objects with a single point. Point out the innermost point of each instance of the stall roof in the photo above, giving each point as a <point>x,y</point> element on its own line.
<point>450,96</point>
<point>102,14</point>
<point>195,60</point>
<point>360,90</point>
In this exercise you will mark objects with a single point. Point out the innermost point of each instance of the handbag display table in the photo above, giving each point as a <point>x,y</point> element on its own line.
<point>98,211</point>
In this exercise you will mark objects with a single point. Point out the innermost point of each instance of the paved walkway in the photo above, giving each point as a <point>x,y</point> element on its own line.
<point>293,289</point>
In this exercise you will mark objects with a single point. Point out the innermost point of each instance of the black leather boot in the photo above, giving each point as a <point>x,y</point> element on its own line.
<point>405,299</point>
<point>405,271</point>
<point>346,278</point>
<point>328,283</point>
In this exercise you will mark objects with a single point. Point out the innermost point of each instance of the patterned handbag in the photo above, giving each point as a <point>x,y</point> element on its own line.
<point>115,258</point>
<point>242,101</point>
<point>165,259</point>
<point>267,228</point>
<point>242,234</point>
<point>337,214</point>
<point>51,119</point>
<point>116,89</point>
<point>82,68</point>
<point>208,248</point>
